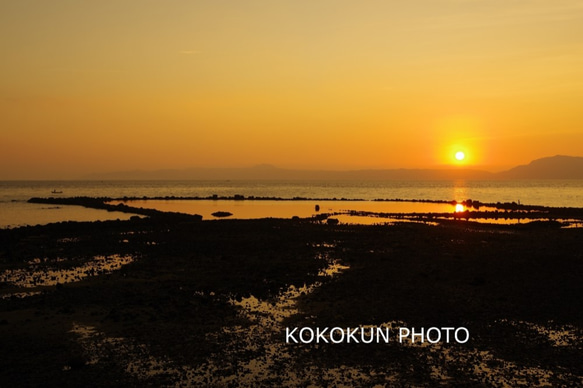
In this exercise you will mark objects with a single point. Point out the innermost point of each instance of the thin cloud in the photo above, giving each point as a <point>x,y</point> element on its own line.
<point>505,14</point>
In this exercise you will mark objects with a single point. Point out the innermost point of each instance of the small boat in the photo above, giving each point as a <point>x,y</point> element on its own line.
<point>56,192</point>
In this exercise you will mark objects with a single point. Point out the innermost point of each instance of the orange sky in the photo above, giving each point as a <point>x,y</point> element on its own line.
<point>109,85</point>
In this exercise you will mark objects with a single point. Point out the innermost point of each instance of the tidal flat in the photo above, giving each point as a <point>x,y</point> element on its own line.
<point>163,301</point>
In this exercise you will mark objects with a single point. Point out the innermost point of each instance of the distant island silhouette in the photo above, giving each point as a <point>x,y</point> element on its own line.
<point>554,167</point>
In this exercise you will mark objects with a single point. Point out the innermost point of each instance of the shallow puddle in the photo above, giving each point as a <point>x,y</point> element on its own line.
<point>135,358</point>
<point>42,275</point>
<point>490,370</point>
<point>258,355</point>
<point>258,351</point>
<point>19,295</point>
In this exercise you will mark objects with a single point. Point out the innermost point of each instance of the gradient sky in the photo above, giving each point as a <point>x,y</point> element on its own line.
<point>109,85</point>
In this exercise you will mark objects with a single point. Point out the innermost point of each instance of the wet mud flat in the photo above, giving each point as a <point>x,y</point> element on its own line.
<point>165,301</point>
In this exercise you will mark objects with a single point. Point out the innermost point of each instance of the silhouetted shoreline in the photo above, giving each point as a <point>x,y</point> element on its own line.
<point>207,302</point>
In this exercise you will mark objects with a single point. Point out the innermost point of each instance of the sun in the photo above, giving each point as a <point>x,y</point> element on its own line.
<point>460,155</point>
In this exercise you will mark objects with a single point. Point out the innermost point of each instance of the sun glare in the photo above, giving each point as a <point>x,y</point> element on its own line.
<point>460,155</point>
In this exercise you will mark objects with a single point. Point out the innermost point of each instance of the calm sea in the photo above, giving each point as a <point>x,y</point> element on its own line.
<point>15,211</point>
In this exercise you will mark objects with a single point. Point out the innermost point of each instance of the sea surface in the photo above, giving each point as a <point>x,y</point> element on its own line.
<point>16,211</point>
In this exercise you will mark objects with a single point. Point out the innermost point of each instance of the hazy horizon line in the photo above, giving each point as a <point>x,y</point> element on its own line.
<point>472,171</point>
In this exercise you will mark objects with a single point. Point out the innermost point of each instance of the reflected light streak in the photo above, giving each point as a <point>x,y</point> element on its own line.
<point>460,190</point>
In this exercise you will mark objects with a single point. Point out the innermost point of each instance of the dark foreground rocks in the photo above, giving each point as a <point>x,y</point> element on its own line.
<point>203,303</point>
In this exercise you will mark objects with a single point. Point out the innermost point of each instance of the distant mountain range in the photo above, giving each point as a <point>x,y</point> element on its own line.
<point>555,167</point>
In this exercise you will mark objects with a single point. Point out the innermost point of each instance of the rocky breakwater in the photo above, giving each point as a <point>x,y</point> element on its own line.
<point>102,203</point>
